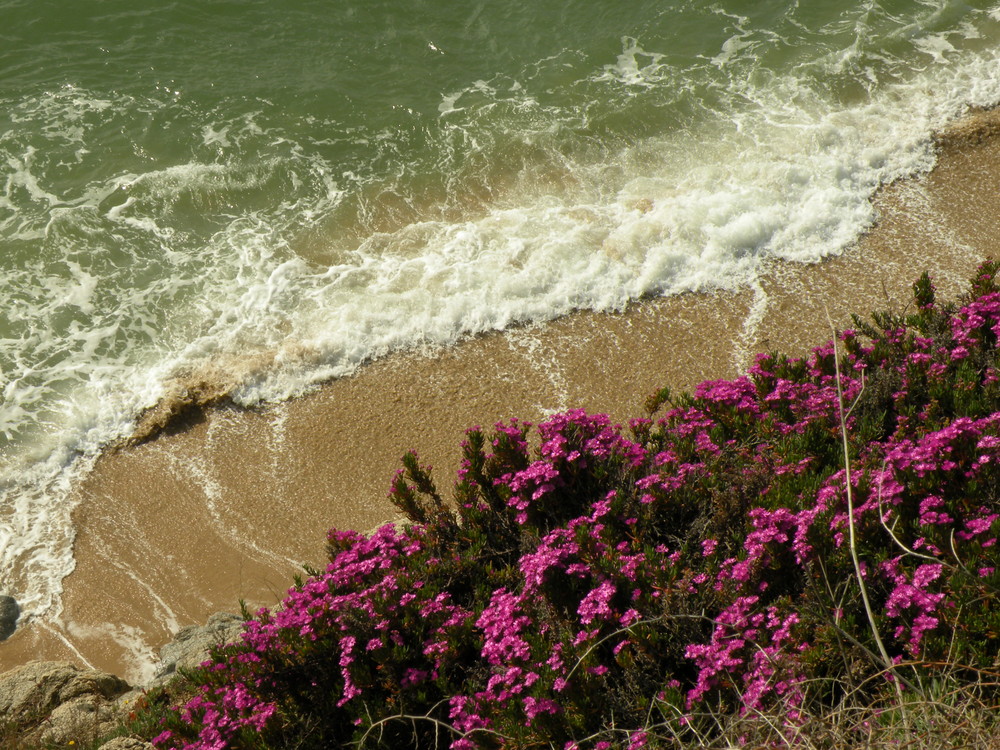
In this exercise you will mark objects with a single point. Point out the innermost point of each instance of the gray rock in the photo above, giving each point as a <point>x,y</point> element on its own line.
<point>43,685</point>
<point>9,612</point>
<point>82,719</point>
<point>126,743</point>
<point>56,702</point>
<point>128,702</point>
<point>190,647</point>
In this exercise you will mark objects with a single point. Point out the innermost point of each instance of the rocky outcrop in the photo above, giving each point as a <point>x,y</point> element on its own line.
<point>55,703</point>
<point>59,704</point>
<point>9,612</point>
<point>126,743</point>
<point>191,645</point>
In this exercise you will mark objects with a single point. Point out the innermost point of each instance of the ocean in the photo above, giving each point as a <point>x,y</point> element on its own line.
<point>256,197</point>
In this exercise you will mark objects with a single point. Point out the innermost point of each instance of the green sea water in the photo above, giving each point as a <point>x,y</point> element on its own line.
<point>270,194</point>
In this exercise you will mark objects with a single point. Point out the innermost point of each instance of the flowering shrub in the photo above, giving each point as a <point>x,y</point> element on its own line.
<point>612,587</point>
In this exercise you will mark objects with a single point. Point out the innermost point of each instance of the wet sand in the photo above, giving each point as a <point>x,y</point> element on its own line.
<point>231,506</point>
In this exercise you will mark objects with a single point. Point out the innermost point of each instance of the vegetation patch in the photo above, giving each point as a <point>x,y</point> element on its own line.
<point>805,555</point>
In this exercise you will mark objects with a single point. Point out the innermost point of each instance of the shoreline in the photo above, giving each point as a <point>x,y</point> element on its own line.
<point>174,529</point>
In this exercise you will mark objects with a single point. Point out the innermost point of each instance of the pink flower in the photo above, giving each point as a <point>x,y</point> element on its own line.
<point>596,604</point>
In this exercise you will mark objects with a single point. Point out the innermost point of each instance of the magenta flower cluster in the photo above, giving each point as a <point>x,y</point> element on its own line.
<point>612,586</point>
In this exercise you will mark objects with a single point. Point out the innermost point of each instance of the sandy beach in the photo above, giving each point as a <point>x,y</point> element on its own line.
<point>230,505</point>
